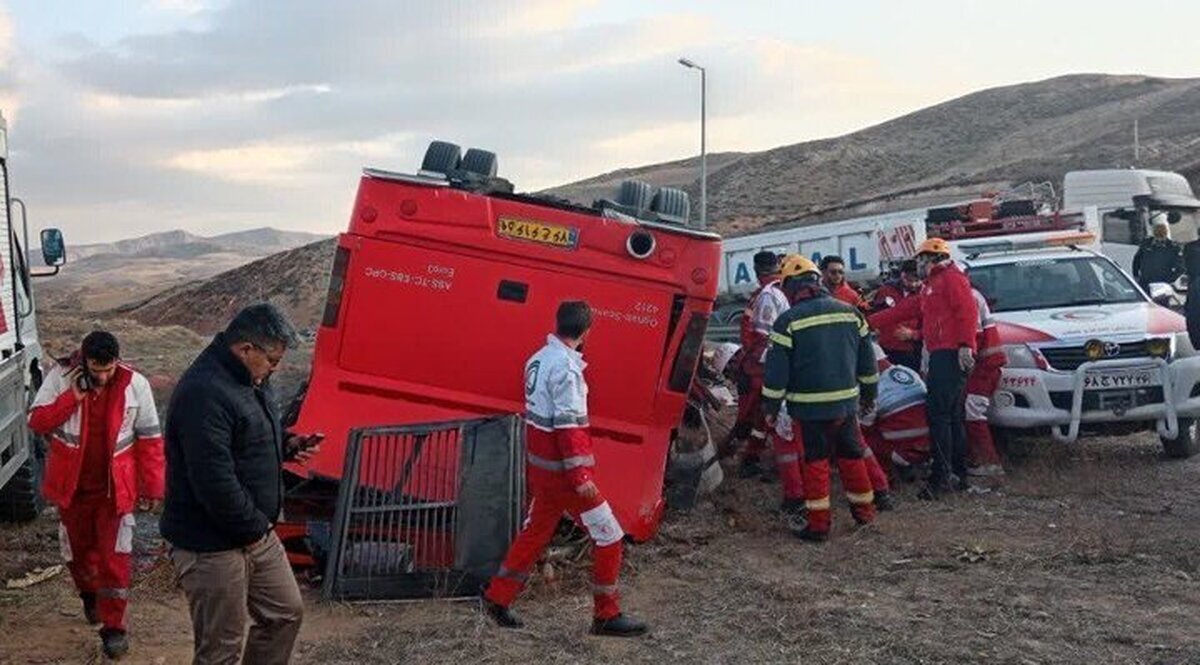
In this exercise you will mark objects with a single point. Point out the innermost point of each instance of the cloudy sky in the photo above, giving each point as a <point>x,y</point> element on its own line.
<point>128,117</point>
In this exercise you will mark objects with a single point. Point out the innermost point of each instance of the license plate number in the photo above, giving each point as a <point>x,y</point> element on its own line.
<point>539,232</point>
<point>1138,378</point>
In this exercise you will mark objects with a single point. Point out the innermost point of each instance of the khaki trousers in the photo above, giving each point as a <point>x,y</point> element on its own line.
<point>223,589</point>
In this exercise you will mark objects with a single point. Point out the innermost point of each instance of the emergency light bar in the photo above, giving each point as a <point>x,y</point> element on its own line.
<point>999,246</point>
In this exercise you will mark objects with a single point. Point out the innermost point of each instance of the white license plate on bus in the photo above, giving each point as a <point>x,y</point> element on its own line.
<point>1121,378</point>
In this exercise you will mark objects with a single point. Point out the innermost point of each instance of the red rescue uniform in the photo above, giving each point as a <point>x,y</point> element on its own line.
<point>105,452</point>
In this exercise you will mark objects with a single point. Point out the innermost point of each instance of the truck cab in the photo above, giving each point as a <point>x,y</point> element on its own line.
<point>1129,202</point>
<point>21,361</point>
<point>1087,349</point>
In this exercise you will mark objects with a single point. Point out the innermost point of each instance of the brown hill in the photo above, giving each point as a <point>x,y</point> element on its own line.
<point>295,280</point>
<point>989,139</point>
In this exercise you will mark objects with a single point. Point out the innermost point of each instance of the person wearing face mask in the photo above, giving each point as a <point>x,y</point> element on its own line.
<point>949,318</point>
<point>105,459</point>
<point>225,448</point>
<point>560,467</point>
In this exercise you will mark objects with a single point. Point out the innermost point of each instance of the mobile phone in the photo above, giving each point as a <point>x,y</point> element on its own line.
<point>84,381</point>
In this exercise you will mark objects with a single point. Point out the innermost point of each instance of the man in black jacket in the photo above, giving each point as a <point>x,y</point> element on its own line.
<point>225,447</point>
<point>1158,258</point>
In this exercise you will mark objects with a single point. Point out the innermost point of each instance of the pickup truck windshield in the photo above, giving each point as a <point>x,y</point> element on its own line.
<point>1052,283</point>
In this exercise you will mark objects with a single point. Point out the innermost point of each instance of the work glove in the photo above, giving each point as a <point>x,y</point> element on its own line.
<point>966,359</point>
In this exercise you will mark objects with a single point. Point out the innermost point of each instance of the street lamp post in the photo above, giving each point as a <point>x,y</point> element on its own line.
<point>703,151</point>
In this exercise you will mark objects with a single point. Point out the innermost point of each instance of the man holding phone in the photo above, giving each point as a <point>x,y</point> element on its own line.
<point>105,457</point>
<point>225,450</point>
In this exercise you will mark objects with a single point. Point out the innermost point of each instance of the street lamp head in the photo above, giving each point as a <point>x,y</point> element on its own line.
<point>688,63</point>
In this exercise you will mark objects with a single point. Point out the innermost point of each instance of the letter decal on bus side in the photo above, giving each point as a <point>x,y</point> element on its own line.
<point>742,276</point>
<point>855,265</point>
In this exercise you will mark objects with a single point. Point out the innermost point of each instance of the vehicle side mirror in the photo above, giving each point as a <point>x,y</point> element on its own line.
<point>1162,293</point>
<point>54,249</point>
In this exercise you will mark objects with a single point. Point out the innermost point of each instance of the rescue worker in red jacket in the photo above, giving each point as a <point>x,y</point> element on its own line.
<point>901,341</point>
<point>833,278</point>
<point>766,304</point>
<point>822,364</point>
<point>559,465</point>
<point>949,317</point>
<point>105,459</point>
<point>982,459</point>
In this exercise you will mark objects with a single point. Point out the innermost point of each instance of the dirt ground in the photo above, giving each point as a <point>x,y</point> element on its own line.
<point>1090,554</point>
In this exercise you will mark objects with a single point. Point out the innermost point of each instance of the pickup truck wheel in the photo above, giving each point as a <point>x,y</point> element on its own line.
<point>21,499</point>
<point>1184,445</point>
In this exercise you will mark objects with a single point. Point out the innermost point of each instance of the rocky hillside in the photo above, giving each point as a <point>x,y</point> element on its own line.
<point>181,244</point>
<point>989,139</point>
<point>295,280</point>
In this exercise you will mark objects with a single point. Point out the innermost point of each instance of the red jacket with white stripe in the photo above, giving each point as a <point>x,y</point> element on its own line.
<point>766,304</point>
<point>987,337</point>
<point>558,447</point>
<point>134,438</point>
<point>947,310</point>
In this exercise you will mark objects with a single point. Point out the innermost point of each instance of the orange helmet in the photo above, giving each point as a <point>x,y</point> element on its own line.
<point>795,265</point>
<point>934,246</point>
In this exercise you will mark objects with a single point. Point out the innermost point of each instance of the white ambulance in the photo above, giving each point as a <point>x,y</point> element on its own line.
<point>1088,351</point>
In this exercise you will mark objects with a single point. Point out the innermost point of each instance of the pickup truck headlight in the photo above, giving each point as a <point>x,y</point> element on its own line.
<point>1023,356</point>
<point>1160,347</point>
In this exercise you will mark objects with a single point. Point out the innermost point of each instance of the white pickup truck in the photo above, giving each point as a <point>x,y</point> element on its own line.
<point>1087,349</point>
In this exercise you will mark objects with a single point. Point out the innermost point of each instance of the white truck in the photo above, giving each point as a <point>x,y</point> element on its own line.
<point>1129,202</point>
<point>1087,349</point>
<point>21,363</point>
<point>1119,206</point>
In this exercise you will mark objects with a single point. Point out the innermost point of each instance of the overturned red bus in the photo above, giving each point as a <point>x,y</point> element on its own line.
<point>446,282</point>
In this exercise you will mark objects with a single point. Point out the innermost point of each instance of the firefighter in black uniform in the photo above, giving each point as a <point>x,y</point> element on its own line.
<point>822,362</point>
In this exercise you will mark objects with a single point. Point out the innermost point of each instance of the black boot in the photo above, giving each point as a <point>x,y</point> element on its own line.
<point>884,501</point>
<point>619,626</point>
<point>90,613</point>
<point>750,467</point>
<point>808,535</point>
<point>500,615</point>
<point>793,507</point>
<point>115,643</point>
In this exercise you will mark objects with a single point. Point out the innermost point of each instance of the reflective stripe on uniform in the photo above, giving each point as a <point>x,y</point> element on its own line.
<point>771,393</point>
<point>825,320</point>
<point>560,466</point>
<point>69,439</point>
<point>860,499</point>
<point>147,432</point>
<point>817,504</point>
<point>817,398</point>
<point>869,379</point>
<point>991,351</point>
<point>781,339</point>
<point>113,593</point>
<point>758,434</point>
<point>123,443</point>
<point>548,423</point>
<point>788,458</point>
<point>512,574</point>
<point>604,589</point>
<point>899,434</point>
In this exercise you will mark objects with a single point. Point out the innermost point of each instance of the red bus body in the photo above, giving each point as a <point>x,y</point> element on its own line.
<point>439,296</point>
